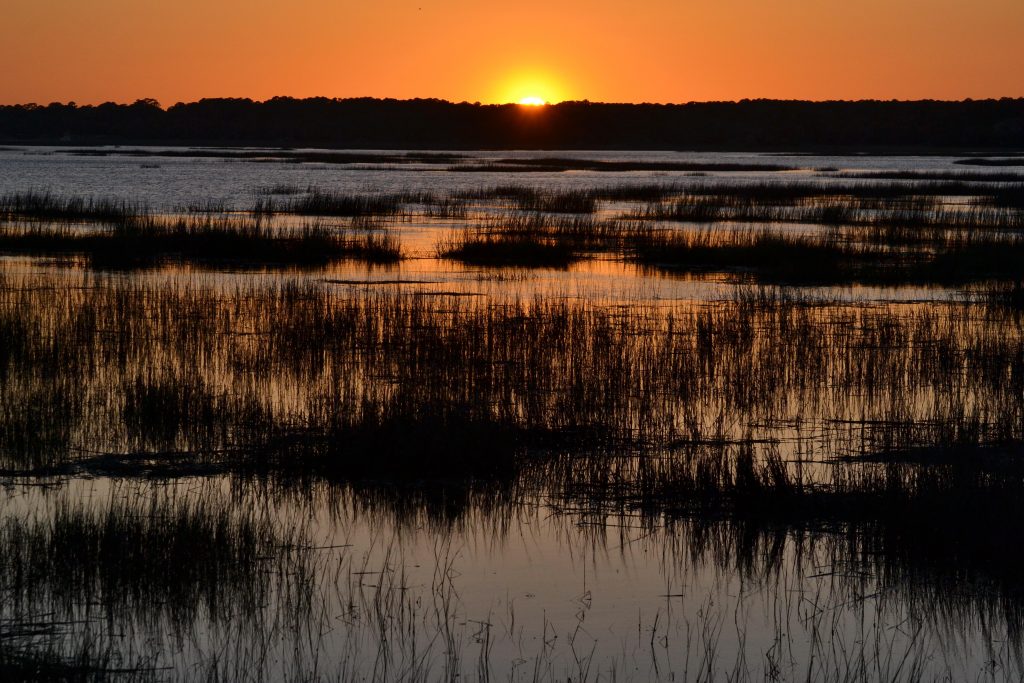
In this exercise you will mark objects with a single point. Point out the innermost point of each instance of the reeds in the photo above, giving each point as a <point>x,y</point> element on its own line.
<point>900,192</point>
<point>885,207</point>
<point>773,431</point>
<point>1006,294</point>
<point>531,199</point>
<point>531,240</point>
<point>569,201</point>
<point>144,558</point>
<point>305,379</point>
<point>110,587</point>
<point>51,207</point>
<point>208,240</point>
<point>355,618</point>
<point>876,253</point>
<point>766,254</point>
<point>489,249</point>
<point>829,211</point>
<point>886,256</point>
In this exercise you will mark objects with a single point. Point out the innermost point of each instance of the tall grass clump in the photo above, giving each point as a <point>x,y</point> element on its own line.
<point>830,211</point>
<point>483,248</point>
<point>880,255</point>
<point>206,240</point>
<point>536,239</point>
<point>52,207</point>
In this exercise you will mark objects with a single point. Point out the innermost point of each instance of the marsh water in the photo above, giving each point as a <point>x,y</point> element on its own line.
<point>528,494</point>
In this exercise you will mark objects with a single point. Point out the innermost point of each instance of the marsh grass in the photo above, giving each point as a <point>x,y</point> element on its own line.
<point>210,235</point>
<point>282,189</point>
<point>913,524</point>
<point>303,379</point>
<point>886,256</point>
<point>447,207</point>
<point>111,587</point>
<point>890,436</point>
<point>199,206</point>
<point>568,201</point>
<point>766,254</point>
<point>881,252</point>
<point>894,189</point>
<point>88,662</point>
<point>51,207</point>
<point>489,249</point>
<point>388,624</point>
<point>1005,294</point>
<point>929,203</point>
<point>145,558</point>
<point>882,440</point>
<point>209,240</point>
<point>537,239</point>
<point>531,199</point>
<point>829,211</point>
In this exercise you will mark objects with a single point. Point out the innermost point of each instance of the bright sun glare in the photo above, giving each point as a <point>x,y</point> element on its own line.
<point>529,89</point>
<point>533,101</point>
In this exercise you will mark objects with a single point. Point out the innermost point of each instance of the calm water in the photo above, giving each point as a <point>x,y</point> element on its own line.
<point>167,183</point>
<point>518,585</point>
<point>531,591</point>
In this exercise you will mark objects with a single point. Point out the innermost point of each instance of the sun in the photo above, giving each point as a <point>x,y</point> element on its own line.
<point>528,88</point>
<point>533,101</point>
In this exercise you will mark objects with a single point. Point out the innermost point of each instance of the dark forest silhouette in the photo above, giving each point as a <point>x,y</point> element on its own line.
<point>422,124</point>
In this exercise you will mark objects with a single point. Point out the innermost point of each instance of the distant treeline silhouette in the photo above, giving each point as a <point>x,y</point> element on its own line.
<point>429,123</point>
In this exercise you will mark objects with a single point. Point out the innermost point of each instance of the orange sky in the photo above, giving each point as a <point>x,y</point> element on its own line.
<point>91,51</point>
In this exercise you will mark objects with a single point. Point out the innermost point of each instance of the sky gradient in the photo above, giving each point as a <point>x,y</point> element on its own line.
<point>462,50</point>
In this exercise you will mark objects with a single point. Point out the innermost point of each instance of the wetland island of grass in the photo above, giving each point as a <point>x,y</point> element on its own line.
<point>307,415</point>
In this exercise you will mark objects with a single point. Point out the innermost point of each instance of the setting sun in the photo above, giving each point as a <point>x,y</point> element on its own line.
<point>533,86</point>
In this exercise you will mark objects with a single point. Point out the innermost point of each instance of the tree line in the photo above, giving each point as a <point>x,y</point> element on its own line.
<point>369,123</point>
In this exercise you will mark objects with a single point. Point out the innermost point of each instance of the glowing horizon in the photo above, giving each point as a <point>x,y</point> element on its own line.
<point>555,50</point>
